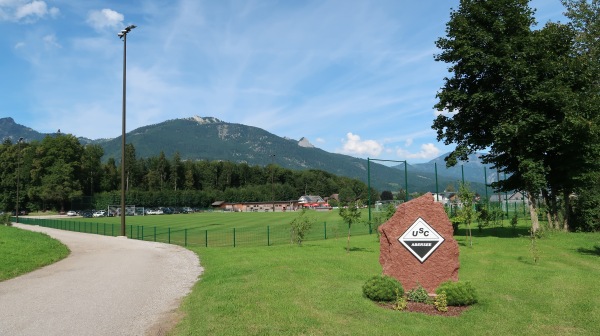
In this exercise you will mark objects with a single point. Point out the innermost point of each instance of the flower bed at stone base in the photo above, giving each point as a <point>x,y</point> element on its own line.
<point>450,298</point>
<point>426,308</point>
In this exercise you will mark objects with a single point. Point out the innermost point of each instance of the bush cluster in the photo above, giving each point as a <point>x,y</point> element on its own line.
<point>418,294</point>
<point>458,293</point>
<point>382,288</point>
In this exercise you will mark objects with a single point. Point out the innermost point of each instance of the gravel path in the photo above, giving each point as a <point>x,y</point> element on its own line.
<point>106,286</point>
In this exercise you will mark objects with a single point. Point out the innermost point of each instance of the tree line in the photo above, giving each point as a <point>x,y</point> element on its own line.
<point>530,98</point>
<point>59,173</point>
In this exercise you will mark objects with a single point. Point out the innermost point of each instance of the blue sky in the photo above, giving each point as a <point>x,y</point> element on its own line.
<point>353,77</point>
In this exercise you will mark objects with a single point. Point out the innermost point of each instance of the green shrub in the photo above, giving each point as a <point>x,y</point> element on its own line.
<point>418,294</point>
<point>382,288</point>
<point>301,226</point>
<point>5,219</point>
<point>441,302</point>
<point>401,302</point>
<point>458,293</point>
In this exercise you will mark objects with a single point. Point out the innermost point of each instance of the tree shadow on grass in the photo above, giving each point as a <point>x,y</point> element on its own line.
<point>590,251</point>
<point>527,260</point>
<point>359,249</point>
<point>498,232</point>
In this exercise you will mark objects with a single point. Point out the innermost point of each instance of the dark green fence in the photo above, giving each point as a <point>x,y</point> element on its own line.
<point>234,237</point>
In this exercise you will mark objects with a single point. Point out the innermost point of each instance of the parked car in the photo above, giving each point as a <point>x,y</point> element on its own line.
<point>87,214</point>
<point>71,213</point>
<point>100,213</point>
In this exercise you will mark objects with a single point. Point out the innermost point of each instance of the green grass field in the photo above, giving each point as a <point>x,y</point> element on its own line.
<point>211,229</point>
<point>315,289</point>
<point>24,251</point>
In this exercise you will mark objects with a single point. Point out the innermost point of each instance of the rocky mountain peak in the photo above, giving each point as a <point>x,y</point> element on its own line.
<point>206,120</point>
<point>305,143</point>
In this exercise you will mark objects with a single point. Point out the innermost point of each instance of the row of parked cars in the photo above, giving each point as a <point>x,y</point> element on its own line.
<point>154,211</point>
<point>89,213</point>
<point>169,211</point>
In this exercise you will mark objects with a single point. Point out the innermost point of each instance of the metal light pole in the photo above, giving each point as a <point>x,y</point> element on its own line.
<point>123,35</point>
<point>18,177</point>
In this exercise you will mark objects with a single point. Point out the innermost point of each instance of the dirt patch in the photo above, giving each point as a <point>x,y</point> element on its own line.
<point>424,308</point>
<point>166,323</point>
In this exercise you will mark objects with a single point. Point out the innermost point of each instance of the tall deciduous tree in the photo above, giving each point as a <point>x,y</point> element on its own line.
<point>584,121</point>
<point>56,169</point>
<point>486,45</point>
<point>91,167</point>
<point>512,93</point>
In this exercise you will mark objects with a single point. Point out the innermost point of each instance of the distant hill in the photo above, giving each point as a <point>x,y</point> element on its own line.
<point>473,169</point>
<point>13,131</point>
<point>211,139</point>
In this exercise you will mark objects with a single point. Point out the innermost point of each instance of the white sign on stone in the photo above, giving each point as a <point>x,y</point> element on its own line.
<point>421,240</point>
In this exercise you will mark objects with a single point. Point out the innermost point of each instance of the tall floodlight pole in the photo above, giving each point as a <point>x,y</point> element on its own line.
<point>18,177</point>
<point>123,35</point>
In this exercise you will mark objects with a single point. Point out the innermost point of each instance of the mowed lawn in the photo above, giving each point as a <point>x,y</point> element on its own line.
<point>315,289</point>
<point>23,251</point>
<point>213,229</point>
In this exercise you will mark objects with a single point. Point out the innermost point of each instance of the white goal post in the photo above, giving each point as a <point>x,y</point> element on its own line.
<point>130,210</point>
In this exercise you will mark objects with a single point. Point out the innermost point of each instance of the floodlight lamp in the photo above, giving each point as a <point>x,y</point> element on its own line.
<point>120,34</point>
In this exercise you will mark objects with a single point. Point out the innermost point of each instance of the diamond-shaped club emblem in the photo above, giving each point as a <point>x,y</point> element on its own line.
<point>421,240</point>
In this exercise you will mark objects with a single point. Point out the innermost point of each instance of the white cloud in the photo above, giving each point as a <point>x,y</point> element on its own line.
<point>100,19</point>
<point>54,12</point>
<point>353,145</point>
<point>428,151</point>
<point>17,10</point>
<point>50,41</point>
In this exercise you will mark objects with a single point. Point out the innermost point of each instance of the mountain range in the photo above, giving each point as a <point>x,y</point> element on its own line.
<point>209,138</point>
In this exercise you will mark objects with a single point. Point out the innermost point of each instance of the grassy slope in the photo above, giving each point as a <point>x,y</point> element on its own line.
<point>316,290</point>
<point>23,251</point>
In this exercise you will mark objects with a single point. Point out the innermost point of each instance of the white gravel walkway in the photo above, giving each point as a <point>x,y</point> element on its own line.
<point>106,286</point>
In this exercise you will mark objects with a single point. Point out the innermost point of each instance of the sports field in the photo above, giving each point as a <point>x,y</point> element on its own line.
<point>213,229</point>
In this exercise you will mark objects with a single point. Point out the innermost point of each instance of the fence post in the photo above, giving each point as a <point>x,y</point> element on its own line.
<point>169,234</point>
<point>185,235</point>
<point>233,237</point>
<point>155,233</point>
<point>325,230</point>
<point>205,238</point>
<point>142,232</point>
<point>112,230</point>
<point>268,236</point>
<point>130,231</point>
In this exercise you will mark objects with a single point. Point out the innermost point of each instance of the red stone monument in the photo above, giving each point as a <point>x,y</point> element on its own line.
<point>417,245</point>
